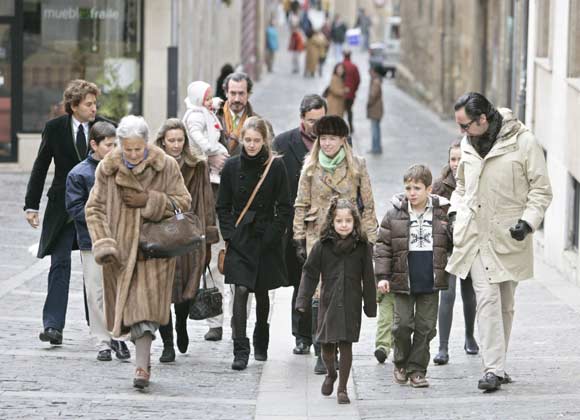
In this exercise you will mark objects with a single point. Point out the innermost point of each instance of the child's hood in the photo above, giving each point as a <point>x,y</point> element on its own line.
<point>196,93</point>
<point>399,201</point>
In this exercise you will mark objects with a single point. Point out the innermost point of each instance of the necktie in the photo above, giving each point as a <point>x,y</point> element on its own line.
<point>81,142</point>
<point>236,120</point>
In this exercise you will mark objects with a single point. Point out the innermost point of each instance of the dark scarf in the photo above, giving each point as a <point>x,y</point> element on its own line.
<point>306,139</point>
<point>253,162</point>
<point>343,246</point>
<point>485,142</point>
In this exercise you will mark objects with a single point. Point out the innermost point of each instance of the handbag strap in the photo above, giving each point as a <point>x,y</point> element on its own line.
<point>256,188</point>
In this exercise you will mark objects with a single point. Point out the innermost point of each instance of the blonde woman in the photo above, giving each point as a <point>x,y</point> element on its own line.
<point>330,170</point>
<point>254,259</point>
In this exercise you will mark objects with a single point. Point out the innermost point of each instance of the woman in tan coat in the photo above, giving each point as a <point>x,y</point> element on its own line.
<point>330,170</point>
<point>134,184</point>
<point>316,47</point>
<point>172,138</point>
<point>336,91</point>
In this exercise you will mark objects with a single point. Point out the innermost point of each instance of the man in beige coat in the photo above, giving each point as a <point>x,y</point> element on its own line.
<point>502,194</point>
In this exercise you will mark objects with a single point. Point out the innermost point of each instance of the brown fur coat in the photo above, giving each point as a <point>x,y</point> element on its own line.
<point>135,290</point>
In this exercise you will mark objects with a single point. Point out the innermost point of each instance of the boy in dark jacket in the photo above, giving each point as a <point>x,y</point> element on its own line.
<point>79,183</point>
<point>410,259</point>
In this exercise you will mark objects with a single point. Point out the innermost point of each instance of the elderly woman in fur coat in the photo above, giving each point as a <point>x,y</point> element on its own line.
<point>173,139</point>
<point>134,184</point>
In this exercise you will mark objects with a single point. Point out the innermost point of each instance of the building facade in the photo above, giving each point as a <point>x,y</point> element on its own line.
<point>123,46</point>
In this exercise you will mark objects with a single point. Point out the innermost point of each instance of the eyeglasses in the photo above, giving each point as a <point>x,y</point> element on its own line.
<point>466,126</point>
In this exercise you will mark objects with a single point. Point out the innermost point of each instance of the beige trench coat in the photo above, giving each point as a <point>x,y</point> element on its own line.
<point>492,194</point>
<point>135,290</point>
<point>317,190</point>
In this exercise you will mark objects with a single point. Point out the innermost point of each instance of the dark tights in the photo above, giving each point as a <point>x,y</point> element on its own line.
<point>446,309</point>
<point>344,364</point>
<point>240,315</point>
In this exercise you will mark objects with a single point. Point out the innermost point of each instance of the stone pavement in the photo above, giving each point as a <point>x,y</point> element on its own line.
<point>39,382</point>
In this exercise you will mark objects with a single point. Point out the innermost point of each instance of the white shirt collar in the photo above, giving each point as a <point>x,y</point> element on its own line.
<point>428,208</point>
<point>76,124</point>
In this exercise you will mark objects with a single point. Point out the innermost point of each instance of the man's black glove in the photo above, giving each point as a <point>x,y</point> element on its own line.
<point>520,230</point>
<point>300,245</point>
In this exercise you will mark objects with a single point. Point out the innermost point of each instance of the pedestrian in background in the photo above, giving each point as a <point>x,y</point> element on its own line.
<point>64,142</point>
<point>444,187</point>
<point>254,260</point>
<point>342,261</point>
<point>410,259</point>
<point>315,51</point>
<point>364,22</point>
<point>337,37</point>
<point>271,44</point>
<point>135,183</point>
<point>172,138</point>
<point>296,45</point>
<point>79,182</point>
<point>502,193</point>
<point>225,71</point>
<point>351,81</point>
<point>330,170</point>
<point>375,109</point>
<point>293,145</point>
<point>336,91</point>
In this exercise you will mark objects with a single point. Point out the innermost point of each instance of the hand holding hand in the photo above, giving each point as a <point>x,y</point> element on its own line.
<point>135,199</point>
<point>32,219</point>
<point>300,245</point>
<point>384,286</point>
<point>520,230</point>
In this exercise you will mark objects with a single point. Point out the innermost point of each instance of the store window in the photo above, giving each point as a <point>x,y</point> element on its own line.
<point>96,40</point>
<point>574,226</point>
<point>574,40</point>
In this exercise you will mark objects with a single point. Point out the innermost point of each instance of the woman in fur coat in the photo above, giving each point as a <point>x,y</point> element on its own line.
<point>135,183</point>
<point>172,138</point>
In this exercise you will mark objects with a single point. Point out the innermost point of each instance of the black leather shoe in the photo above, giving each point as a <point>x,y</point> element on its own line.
<point>442,358</point>
<point>104,355</point>
<point>301,348</point>
<point>214,334</point>
<point>52,335</point>
<point>381,355</point>
<point>168,355</point>
<point>489,382</point>
<point>471,346</point>
<point>121,350</point>
<point>319,368</point>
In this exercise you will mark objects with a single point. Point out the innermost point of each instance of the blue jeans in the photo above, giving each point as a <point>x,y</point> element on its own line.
<point>376,136</point>
<point>54,311</point>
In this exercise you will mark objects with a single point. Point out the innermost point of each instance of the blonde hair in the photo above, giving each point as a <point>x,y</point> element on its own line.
<point>311,159</point>
<point>264,128</point>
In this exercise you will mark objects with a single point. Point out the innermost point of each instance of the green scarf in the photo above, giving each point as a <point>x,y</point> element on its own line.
<point>330,164</point>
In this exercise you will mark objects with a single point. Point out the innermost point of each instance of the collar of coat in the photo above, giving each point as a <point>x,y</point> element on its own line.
<point>113,164</point>
<point>507,136</point>
<point>400,202</point>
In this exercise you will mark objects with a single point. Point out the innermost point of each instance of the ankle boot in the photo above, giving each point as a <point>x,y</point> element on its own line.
<point>470,346</point>
<point>241,353</point>
<point>181,331</point>
<point>168,355</point>
<point>261,340</point>
<point>442,357</point>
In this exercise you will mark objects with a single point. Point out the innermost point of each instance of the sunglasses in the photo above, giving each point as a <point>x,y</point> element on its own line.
<point>466,126</point>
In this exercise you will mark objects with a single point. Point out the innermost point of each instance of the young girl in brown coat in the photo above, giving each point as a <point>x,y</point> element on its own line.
<point>342,261</point>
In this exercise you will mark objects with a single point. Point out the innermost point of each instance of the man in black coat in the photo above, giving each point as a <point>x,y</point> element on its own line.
<point>293,145</point>
<point>64,140</point>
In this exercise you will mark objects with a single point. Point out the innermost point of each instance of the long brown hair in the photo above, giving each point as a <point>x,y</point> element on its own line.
<point>176,124</point>
<point>327,231</point>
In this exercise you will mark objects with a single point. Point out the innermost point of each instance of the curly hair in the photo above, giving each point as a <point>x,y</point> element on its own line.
<point>76,91</point>
<point>327,231</point>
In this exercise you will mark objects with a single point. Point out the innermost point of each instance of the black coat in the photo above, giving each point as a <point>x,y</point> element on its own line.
<point>254,257</point>
<point>57,144</point>
<point>346,281</point>
<point>290,145</point>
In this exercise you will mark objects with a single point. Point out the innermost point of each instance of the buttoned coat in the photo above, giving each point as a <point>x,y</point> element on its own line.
<point>57,145</point>
<point>347,281</point>
<point>254,256</point>
<point>292,149</point>
<point>492,194</point>
<point>316,190</point>
<point>136,289</point>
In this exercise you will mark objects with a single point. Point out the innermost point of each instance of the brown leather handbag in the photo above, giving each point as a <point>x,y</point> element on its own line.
<point>222,254</point>
<point>178,235</point>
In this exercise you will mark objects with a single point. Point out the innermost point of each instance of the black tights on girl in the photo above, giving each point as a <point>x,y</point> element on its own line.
<point>344,365</point>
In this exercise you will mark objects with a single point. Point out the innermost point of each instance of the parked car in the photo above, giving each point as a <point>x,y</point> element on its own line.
<point>386,54</point>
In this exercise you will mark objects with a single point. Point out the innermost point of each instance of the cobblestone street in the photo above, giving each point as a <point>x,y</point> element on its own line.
<point>42,382</point>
